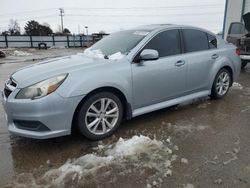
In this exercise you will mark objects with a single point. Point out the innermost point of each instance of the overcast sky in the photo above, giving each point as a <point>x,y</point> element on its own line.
<point>113,15</point>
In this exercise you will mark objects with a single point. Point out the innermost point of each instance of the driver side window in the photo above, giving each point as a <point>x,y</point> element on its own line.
<point>167,43</point>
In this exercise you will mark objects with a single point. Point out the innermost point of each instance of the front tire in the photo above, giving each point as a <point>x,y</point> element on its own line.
<point>100,115</point>
<point>221,85</point>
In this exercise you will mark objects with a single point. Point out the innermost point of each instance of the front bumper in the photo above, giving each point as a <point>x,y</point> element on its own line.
<point>53,111</point>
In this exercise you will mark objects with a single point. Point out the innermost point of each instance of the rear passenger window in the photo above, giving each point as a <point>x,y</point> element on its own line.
<point>212,41</point>
<point>166,43</point>
<point>195,40</point>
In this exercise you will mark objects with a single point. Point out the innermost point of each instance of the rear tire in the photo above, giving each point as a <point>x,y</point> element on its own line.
<point>222,83</point>
<point>100,115</point>
<point>243,64</point>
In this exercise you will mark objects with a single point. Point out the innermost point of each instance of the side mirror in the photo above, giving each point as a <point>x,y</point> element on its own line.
<point>149,54</point>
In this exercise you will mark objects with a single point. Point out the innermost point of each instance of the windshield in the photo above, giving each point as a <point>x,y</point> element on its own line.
<point>121,42</point>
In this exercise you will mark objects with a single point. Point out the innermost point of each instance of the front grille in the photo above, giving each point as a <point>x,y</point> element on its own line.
<point>7,92</point>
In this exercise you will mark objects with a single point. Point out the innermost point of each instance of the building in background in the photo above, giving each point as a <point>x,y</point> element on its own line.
<point>234,9</point>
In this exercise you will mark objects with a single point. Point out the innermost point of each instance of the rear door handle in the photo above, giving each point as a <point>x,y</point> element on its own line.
<point>179,63</point>
<point>215,56</point>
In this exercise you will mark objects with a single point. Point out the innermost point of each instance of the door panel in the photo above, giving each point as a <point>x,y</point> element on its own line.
<point>199,66</point>
<point>158,80</point>
<point>200,48</point>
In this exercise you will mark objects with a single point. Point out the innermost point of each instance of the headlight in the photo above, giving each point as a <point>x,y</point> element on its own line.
<point>42,88</point>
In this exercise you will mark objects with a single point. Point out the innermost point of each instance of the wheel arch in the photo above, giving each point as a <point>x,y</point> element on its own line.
<point>127,114</point>
<point>217,69</point>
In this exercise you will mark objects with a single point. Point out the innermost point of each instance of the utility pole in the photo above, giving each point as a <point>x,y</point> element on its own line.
<point>87,41</point>
<point>61,15</point>
<point>86,27</point>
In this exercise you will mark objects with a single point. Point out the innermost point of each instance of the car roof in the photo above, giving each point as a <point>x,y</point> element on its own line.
<point>156,27</point>
<point>153,27</point>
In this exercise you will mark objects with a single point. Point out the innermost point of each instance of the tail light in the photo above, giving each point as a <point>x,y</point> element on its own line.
<point>238,51</point>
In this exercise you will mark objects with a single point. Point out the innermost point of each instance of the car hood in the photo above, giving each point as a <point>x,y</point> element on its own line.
<point>46,69</point>
<point>246,18</point>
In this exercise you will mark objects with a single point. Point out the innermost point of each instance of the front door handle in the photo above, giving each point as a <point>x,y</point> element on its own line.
<point>180,63</point>
<point>215,56</point>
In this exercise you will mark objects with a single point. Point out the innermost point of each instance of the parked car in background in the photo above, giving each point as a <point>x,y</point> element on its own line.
<point>239,35</point>
<point>124,75</point>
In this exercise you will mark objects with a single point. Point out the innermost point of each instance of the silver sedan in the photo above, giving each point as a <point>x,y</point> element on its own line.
<point>126,74</point>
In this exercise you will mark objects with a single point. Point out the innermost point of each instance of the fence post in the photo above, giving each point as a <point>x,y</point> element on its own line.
<point>68,40</point>
<point>81,41</point>
<point>53,40</point>
<point>6,41</point>
<point>31,41</point>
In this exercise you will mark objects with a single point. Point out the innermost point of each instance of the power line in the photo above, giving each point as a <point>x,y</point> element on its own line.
<point>161,7</point>
<point>124,12</point>
<point>136,21</point>
<point>108,15</point>
<point>118,8</point>
<point>50,16</point>
<point>27,12</point>
<point>144,15</point>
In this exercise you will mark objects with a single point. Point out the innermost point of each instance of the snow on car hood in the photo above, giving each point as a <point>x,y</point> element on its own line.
<point>98,54</point>
<point>53,67</point>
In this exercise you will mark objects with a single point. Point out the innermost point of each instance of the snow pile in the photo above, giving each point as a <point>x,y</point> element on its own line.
<point>136,145</point>
<point>98,54</point>
<point>76,169</point>
<point>93,53</point>
<point>137,157</point>
<point>21,53</point>
<point>57,47</point>
<point>116,56</point>
<point>237,86</point>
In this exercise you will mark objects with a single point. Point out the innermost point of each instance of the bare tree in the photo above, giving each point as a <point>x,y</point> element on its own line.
<point>14,28</point>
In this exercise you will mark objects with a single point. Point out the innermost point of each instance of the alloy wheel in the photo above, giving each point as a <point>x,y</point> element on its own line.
<point>102,116</point>
<point>222,84</point>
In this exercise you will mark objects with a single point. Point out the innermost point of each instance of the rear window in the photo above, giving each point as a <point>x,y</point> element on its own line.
<point>195,40</point>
